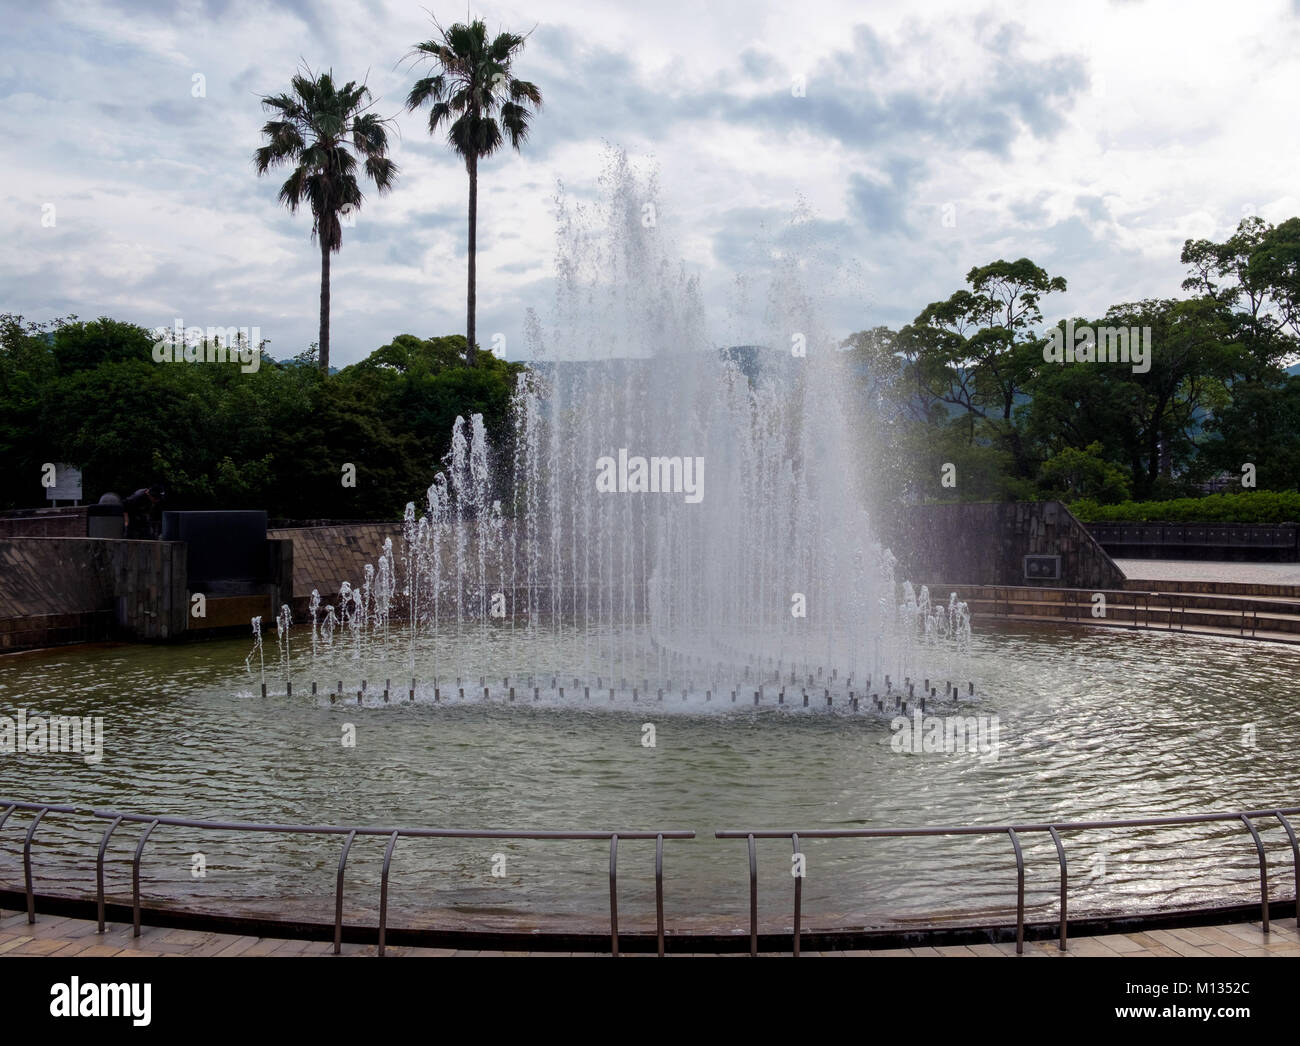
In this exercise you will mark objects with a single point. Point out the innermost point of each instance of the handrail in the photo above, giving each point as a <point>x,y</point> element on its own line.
<point>99,871</point>
<point>151,822</point>
<point>338,894</point>
<point>1013,831</point>
<point>27,863</point>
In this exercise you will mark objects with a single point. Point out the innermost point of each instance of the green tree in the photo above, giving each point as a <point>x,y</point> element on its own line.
<point>1256,274</point>
<point>977,350</point>
<point>315,131</point>
<point>472,84</point>
<point>1073,473</point>
<point>1259,425</point>
<point>1149,423</point>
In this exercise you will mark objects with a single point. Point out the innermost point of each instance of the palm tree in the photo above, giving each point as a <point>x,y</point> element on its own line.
<point>472,83</point>
<point>315,129</point>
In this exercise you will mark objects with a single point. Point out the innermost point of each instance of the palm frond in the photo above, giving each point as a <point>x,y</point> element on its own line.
<point>319,126</point>
<point>472,82</point>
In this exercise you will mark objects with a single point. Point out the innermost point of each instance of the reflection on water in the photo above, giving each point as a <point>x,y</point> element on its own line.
<point>1093,724</point>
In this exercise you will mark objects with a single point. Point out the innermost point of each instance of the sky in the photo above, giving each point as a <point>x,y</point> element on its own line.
<point>893,145</point>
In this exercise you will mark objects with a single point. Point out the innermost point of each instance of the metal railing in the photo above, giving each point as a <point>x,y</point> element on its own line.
<point>350,833</point>
<point>1013,832</point>
<point>1135,608</point>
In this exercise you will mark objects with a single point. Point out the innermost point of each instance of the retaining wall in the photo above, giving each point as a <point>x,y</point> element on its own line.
<point>984,543</point>
<point>61,590</point>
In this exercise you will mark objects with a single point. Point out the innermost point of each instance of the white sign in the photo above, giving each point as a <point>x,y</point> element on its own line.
<point>67,483</point>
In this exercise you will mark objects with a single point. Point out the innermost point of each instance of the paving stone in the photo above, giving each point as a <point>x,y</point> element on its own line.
<point>1093,947</point>
<point>37,946</point>
<point>225,946</point>
<point>1175,943</point>
<point>264,946</point>
<point>75,937</point>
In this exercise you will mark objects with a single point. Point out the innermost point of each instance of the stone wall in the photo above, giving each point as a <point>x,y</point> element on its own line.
<point>44,523</point>
<point>76,590</point>
<point>60,590</point>
<point>985,544</point>
<point>322,558</point>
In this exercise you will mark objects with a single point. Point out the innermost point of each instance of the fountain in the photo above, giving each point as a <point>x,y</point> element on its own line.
<point>662,514</point>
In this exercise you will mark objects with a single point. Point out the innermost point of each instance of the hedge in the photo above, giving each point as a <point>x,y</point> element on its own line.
<point>1254,506</point>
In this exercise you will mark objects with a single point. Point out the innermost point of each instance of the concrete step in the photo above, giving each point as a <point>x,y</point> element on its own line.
<point>1292,638</point>
<point>1217,616</point>
<point>1221,588</point>
<point>1212,611</point>
<point>1155,599</point>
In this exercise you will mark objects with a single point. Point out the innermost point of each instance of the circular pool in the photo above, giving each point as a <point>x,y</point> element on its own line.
<point>1085,724</point>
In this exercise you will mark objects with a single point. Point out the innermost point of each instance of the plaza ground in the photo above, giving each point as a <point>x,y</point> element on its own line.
<point>67,937</point>
<point>1210,570</point>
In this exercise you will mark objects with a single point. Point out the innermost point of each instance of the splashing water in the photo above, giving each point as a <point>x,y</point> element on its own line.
<point>662,513</point>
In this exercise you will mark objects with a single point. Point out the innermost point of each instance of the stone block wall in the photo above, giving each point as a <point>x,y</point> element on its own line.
<point>985,544</point>
<point>44,523</point>
<point>60,590</point>
<point>149,585</point>
<point>322,558</point>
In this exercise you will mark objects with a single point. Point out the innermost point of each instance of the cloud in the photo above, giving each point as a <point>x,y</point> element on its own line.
<point>1061,134</point>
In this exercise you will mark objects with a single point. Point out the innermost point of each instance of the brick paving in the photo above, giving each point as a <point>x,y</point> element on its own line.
<point>51,935</point>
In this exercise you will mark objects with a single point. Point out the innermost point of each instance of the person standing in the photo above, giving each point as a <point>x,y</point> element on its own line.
<point>140,510</point>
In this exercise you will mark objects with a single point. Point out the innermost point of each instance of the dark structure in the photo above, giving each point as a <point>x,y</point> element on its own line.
<point>227,554</point>
<point>79,589</point>
<point>1003,543</point>
<point>1254,542</point>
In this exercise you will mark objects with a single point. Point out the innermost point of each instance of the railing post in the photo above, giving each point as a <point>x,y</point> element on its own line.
<point>1295,859</point>
<point>5,816</point>
<point>753,899</point>
<point>1060,856</point>
<point>1020,892</point>
<point>135,878</point>
<point>659,892</point>
<point>99,870</point>
<point>798,893</point>
<point>613,895</point>
<point>27,863</point>
<point>338,894</point>
<point>1263,869</point>
<point>383,890</point>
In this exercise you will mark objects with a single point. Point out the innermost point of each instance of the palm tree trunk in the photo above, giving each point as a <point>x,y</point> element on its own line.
<point>472,164</point>
<point>324,306</point>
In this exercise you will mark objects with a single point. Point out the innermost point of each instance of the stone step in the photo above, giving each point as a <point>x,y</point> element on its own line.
<point>1129,614</point>
<point>1220,588</point>
<point>1258,634</point>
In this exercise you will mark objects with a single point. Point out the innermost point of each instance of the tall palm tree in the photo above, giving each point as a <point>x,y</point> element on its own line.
<point>315,129</point>
<point>471,87</point>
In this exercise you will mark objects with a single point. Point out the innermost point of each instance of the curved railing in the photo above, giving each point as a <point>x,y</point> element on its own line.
<point>1012,832</point>
<point>150,821</point>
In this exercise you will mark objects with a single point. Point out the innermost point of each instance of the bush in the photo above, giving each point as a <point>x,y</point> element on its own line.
<point>1254,506</point>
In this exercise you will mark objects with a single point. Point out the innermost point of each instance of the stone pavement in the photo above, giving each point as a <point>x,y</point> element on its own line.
<point>1210,570</point>
<point>53,935</point>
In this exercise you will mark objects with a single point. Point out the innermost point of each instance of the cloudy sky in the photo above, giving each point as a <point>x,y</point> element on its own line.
<point>929,137</point>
